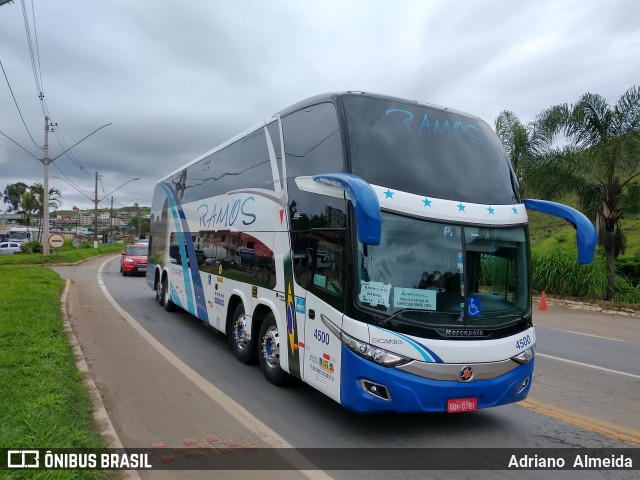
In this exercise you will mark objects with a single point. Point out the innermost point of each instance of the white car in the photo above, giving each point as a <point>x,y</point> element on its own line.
<point>9,248</point>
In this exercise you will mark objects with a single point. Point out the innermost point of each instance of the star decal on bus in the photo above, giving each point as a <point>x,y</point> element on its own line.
<point>461,207</point>
<point>388,194</point>
<point>491,210</point>
<point>427,202</point>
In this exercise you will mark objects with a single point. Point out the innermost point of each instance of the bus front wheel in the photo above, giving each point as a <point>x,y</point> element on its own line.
<point>269,352</point>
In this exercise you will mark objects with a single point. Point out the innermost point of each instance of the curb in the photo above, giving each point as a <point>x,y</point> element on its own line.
<point>100,414</point>
<point>585,305</point>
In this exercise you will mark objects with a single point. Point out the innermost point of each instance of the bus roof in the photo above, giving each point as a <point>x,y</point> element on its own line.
<point>308,102</point>
<point>335,96</point>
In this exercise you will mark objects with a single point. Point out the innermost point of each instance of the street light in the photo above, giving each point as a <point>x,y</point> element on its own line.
<point>46,161</point>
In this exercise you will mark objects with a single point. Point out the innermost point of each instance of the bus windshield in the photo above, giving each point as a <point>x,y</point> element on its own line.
<point>443,274</point>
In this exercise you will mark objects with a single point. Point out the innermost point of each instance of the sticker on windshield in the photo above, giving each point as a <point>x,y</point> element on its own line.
<point>474,309</point>
<point>414,298</point>
<point>374,293</point>
<point>320,280</point>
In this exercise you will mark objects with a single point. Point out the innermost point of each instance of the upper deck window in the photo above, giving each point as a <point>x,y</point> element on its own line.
<point>427,151</point>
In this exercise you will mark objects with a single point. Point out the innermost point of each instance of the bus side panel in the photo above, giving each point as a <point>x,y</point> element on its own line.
<point>322,352</point>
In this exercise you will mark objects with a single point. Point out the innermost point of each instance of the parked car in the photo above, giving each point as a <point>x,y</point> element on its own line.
<point>134,259</point>
<point>9,248</point>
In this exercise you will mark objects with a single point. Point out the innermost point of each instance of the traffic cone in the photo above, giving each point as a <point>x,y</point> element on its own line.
<point>543,303</point>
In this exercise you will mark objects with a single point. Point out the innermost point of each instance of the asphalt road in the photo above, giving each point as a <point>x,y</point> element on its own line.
<point>166,379</point>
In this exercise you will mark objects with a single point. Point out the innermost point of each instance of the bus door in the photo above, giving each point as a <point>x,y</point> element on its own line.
<point>324,297</point>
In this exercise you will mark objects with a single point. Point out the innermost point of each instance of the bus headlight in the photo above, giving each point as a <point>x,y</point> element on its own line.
<point>377,354</point>
<point>525,356</point>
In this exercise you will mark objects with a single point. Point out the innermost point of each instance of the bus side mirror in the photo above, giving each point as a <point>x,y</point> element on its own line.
<point>362,196</point>
<point>586,236</point>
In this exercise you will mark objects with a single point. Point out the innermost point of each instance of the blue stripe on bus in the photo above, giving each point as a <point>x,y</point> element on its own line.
<point>193,282</point>
<point>428,354</point>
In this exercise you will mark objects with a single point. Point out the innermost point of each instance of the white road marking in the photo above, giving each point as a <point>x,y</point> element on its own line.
<point>241,414</point>
<point>586,334</point>
<point>588,365</point>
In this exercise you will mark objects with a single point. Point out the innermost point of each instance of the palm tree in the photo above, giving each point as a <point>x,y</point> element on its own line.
<point>603,149</point>
<point>37,189</point>
<point>522,144</point>
<point>27,206</point>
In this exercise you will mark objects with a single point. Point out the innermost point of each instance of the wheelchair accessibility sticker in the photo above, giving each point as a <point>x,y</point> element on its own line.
<point>474,308</point>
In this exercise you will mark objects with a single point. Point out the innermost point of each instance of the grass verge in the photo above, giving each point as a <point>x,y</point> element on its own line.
<point>43,401</point>
<point>66,254</point>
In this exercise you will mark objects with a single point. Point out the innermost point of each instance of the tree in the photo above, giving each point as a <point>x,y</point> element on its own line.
<point>27,207</point>
<point>522,144</point>
<point>603,156</point>
<point>13,195</point>
<point>37,189</point>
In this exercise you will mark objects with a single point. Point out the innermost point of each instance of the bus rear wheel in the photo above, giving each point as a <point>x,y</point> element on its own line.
<point>159,298</point>
<point>269,352</point>
<point>166,295</point>
<point>243,348</point>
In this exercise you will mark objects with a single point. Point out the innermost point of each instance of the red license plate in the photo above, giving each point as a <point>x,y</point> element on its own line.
<point>459,405</point>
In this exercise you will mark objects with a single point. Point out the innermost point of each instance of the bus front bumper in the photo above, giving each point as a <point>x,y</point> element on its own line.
<point>408,393</point>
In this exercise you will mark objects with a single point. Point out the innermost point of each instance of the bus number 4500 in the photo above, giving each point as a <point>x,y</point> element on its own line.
<point>523,342</point>
<point>322,337</point>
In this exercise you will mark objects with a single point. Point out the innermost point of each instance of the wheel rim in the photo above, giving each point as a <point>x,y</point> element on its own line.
<point>159,290</point>
<point>271,347</point>
<point>165,290</point>
<point>239,333</point>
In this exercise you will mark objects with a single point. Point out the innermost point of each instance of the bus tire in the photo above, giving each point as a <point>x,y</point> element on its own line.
<point>166,295</point>
<point>243,349</point>
<point>158,289</point>
<point>269,352</point>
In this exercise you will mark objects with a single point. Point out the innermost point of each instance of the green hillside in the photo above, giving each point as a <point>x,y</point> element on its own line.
<point>548,233</point>
<point>554,259</point>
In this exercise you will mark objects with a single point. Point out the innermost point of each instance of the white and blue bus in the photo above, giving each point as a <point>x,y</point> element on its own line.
<point>372,247</point>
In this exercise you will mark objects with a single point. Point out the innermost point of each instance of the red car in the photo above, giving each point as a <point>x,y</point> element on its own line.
<point>134,259</point>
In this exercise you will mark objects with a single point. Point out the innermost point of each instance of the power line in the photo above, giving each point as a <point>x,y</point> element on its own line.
<point>35,34</point>
<point>17,106</point>
<point>11,139</point>
<point>34,68</point>
<point>65,146</point>
<point>65,176</point>
<point>37,75</point>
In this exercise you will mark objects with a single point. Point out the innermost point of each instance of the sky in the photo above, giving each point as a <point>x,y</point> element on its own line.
<point>176,79</point>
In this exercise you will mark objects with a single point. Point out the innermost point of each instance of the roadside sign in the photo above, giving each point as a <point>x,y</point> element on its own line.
<point>56,240</point>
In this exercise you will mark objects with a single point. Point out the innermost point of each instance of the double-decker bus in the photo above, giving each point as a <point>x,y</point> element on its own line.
<point>373,247</point>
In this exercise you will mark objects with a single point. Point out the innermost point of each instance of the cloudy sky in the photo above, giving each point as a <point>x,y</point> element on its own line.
<point>176,79</point>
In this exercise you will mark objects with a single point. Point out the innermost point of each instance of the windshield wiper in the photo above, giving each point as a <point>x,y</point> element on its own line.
<point>389,321</point>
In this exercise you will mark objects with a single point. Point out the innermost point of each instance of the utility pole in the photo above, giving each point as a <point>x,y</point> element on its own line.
<point>45,197</point>
<point>111,222</point>
<point>138,214</point>
<point>95,233</point>
<point>46,161</point>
